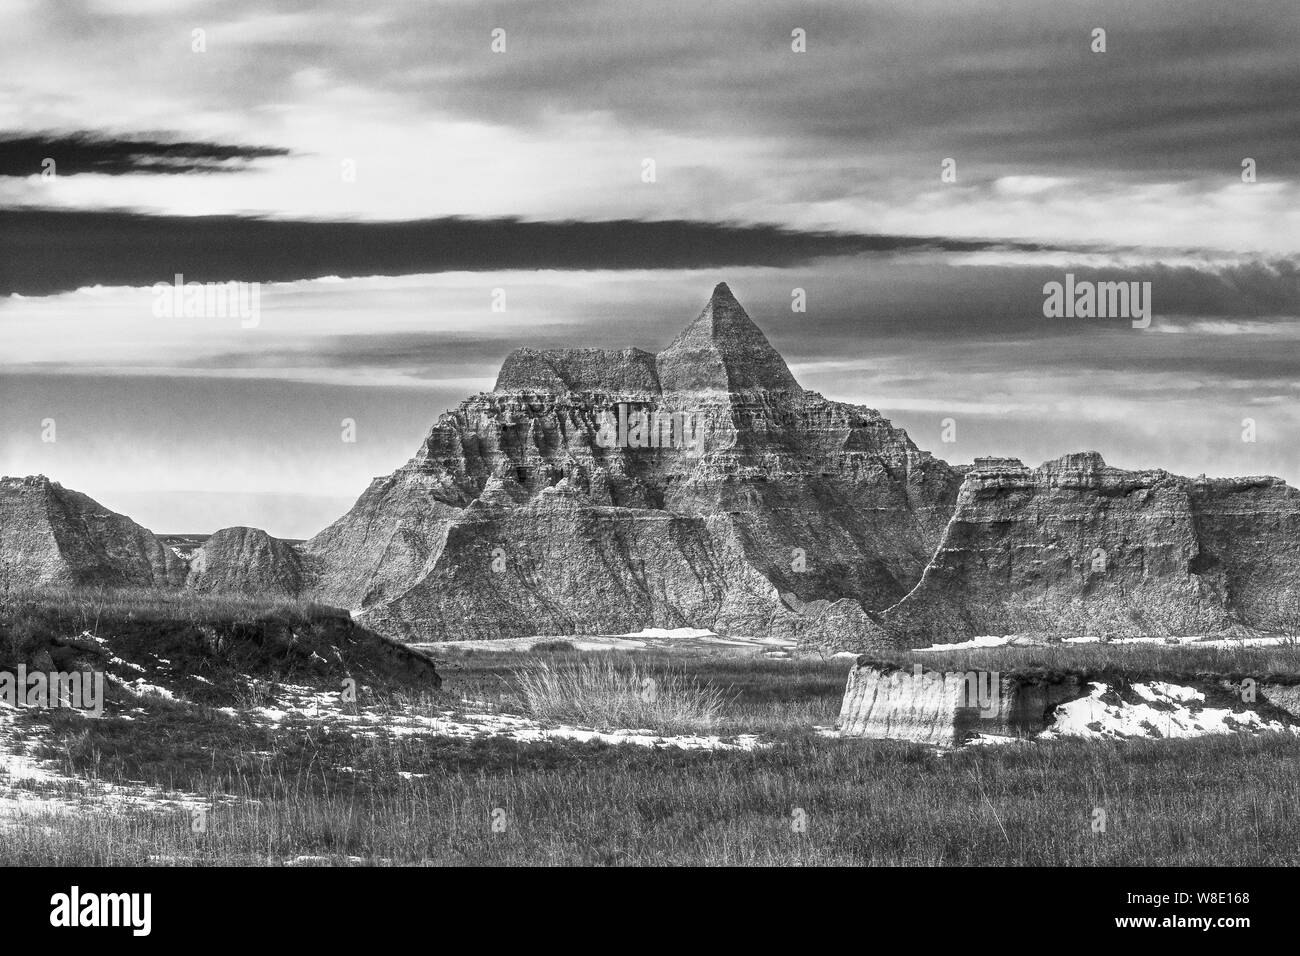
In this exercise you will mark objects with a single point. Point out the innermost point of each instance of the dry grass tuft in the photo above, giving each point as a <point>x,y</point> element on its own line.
<point>608,693</point>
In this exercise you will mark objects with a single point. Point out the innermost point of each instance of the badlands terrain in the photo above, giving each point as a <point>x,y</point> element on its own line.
<point>608,491</point>
<point>639,608</point>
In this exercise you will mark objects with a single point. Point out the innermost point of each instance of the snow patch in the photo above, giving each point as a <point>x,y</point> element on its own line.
<point>141,688</point>
<point>671,633</point>
<point>1166,711</point>
<point>30,786</point>
<point>1023,640</point>
<point>974,642</point>
<point>328,706</point>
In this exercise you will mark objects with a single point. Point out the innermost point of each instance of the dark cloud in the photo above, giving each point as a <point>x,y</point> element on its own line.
<point>47,251</point>
<point>80,152</point>
<point>1185,87</point>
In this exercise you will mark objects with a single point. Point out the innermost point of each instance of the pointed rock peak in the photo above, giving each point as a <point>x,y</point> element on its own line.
<point>723,350</point>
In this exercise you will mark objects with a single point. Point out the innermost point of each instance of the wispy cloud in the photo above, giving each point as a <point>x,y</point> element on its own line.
<point>1141,144</point>
<point>71,154</point>
<point>389,140</point>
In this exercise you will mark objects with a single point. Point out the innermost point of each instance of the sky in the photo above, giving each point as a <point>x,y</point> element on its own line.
<point>386,177</point>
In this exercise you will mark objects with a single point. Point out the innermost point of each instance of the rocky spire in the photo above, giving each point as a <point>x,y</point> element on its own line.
<point>723,350</point>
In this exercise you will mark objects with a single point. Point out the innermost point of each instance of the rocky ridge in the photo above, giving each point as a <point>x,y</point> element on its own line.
<point>51,536</point>
<point>606,491</point>
<point>1078,547</point>
<point>600,491</point>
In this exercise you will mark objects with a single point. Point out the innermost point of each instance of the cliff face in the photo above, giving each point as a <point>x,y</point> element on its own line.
<point>700,487</point>
<point>52,536</point>
<point>1249,535</point>
<point>946,709</point>
<point>1076,546</point>
<point>597,491</point>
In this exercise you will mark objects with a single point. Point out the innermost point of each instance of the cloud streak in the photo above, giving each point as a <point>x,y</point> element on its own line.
<point>84,152</point>
<point>50,251</point>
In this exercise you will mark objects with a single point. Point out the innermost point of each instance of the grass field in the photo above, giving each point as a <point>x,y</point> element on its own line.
<point>89,606</point>
<point>1207,802</point>
<point>303,790</point>
<point>316,791</point>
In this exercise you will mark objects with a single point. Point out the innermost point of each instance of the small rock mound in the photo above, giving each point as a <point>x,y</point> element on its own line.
<point>246,560</point>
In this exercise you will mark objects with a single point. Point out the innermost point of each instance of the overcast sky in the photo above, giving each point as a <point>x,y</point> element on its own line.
<point>285,150</point>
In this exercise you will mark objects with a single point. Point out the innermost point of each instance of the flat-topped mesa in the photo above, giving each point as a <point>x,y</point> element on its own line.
<point>724,351</point>
<point>1076,546</point>
<point>624,372</point>
<point>1079,471</point>
<point>1076,461</point>
<point>984,467</point>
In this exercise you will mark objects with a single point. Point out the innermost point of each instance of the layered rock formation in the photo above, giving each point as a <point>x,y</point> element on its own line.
<point>598,491</point>
<point>594,491</point>
<point>247,560</point>
<point>1248,532</point>
<point>950,708</point>
<point>1078,547</point>
<point>946,708</point>
<point>52,536</point>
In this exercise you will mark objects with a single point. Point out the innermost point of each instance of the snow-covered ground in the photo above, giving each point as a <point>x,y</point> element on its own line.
<point>1020,640</point>
<point>988,641</point>
<point>1166,710</point>
<point>1150,710</point>
<point>31,786</point>
<point>1196,641</point>
<point>302,702</point>
<point>142,688</point>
